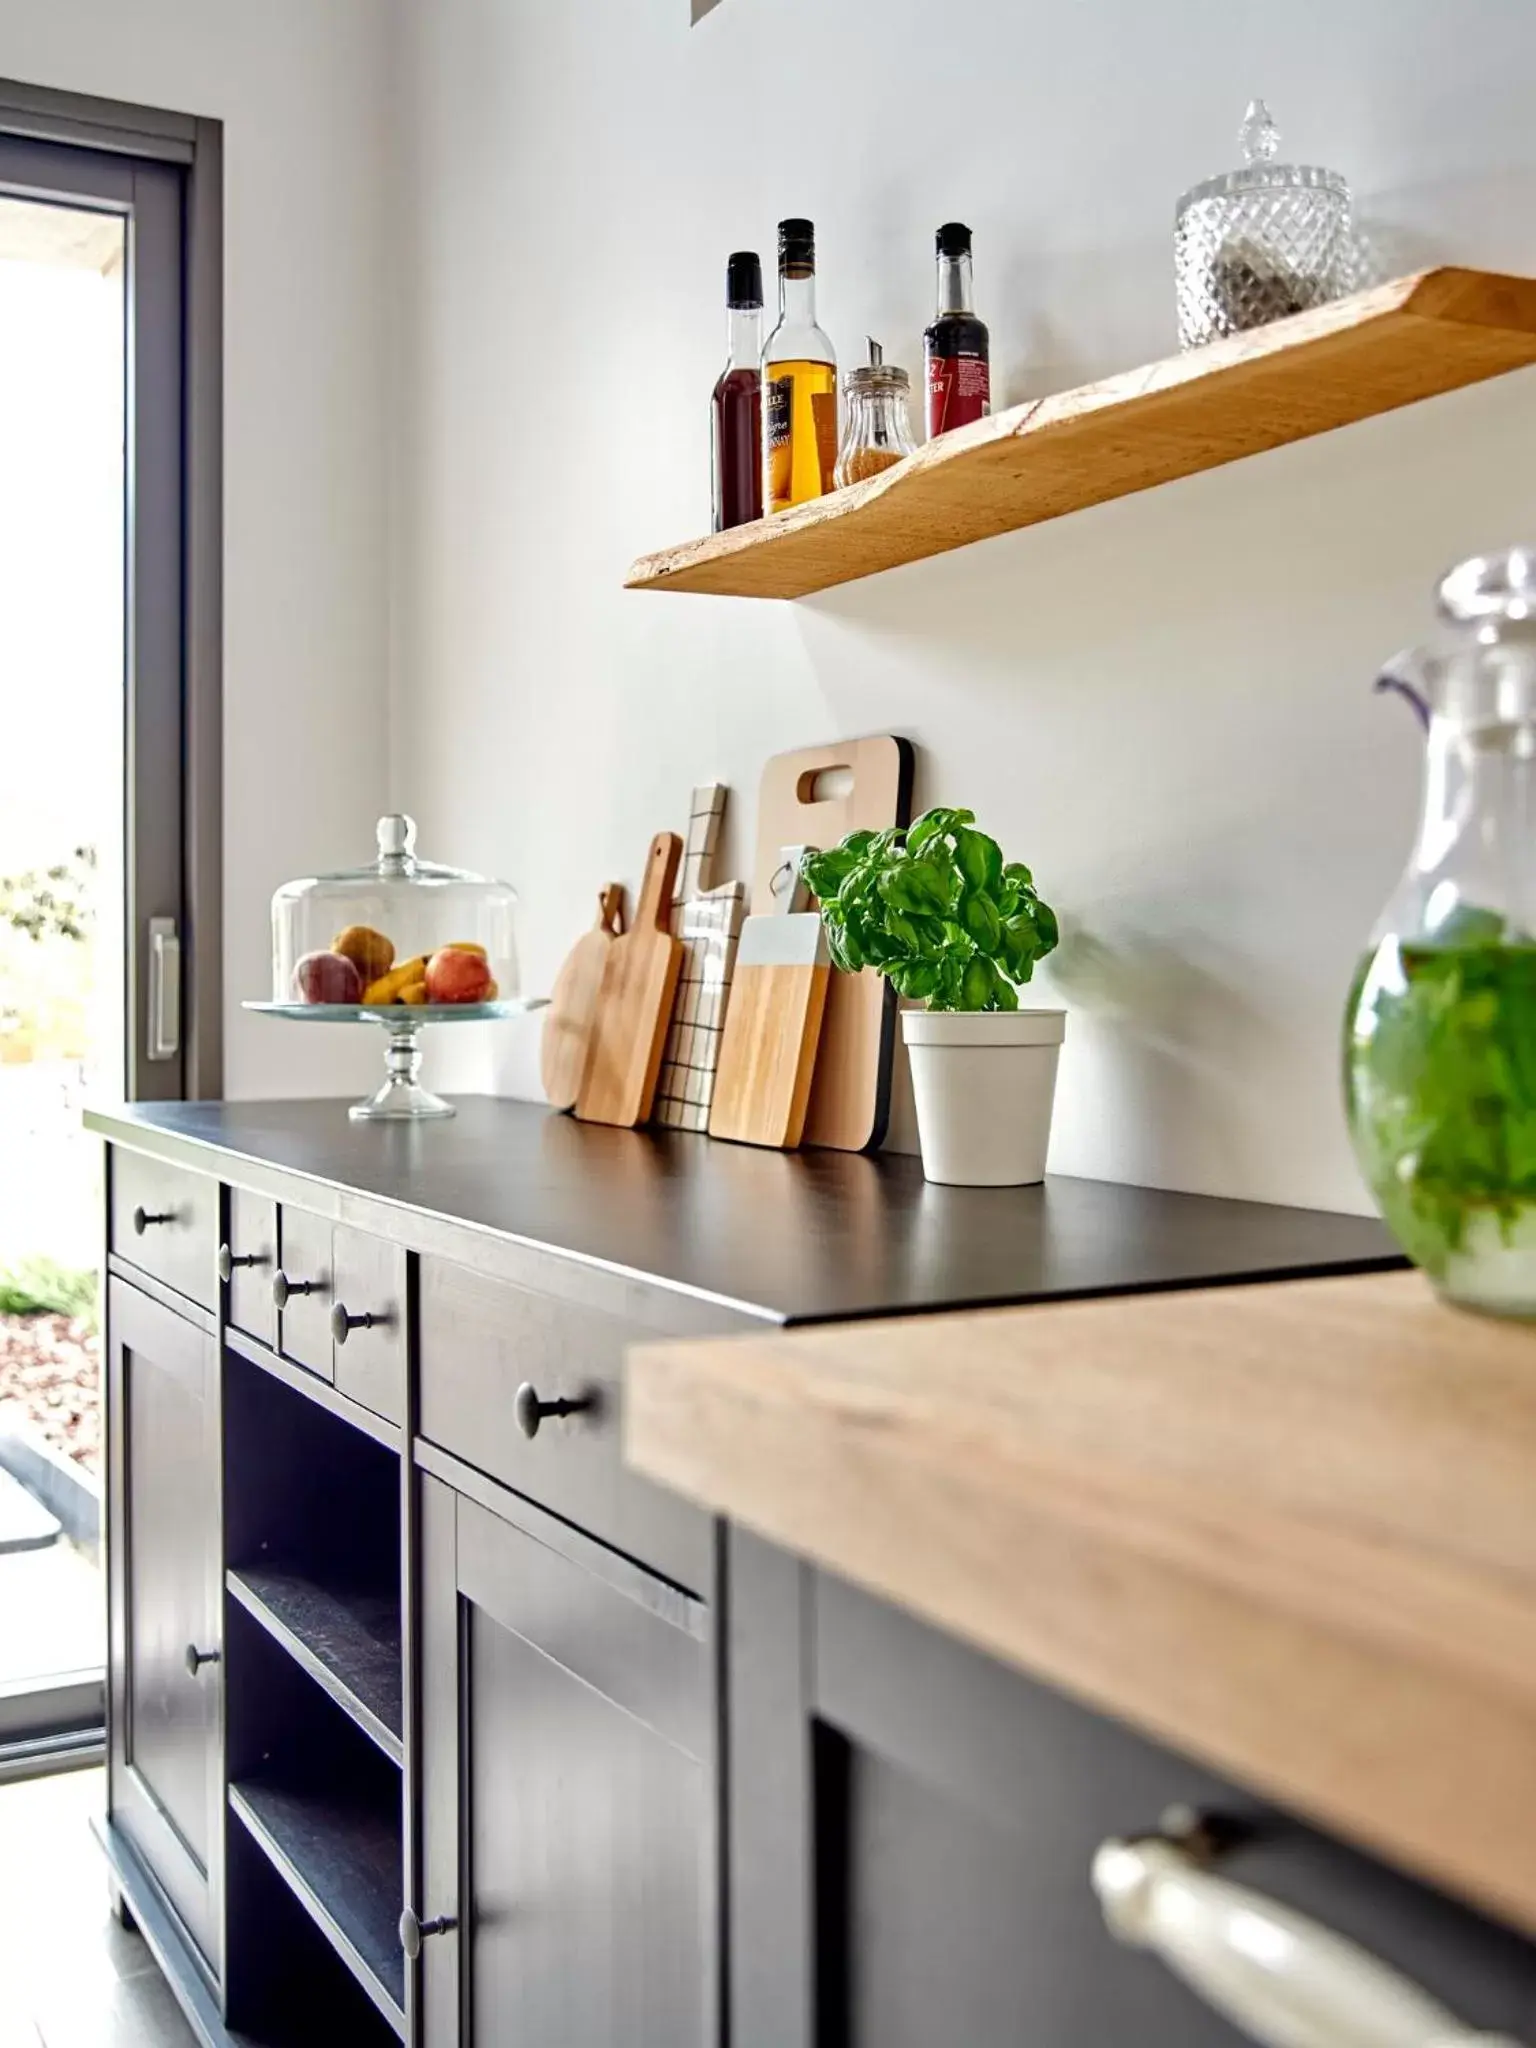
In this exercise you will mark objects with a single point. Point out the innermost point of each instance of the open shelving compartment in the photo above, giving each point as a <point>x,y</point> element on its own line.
<point>314,1731</point>
<point>1367,354</point>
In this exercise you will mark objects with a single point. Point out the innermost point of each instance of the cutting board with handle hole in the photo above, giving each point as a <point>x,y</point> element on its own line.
<point>815,797</point>
<point>634,1001</point>
<point>573,1002</point>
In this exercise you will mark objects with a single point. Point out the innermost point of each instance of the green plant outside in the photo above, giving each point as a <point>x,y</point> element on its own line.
<point>1440,1082</point>
<point>42,1287</point>
<point>936,909</point>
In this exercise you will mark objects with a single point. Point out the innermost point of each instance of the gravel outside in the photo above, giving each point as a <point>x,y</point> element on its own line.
<point>51,1368</point>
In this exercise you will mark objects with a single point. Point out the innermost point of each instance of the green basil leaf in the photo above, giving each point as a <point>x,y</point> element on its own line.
<point>977,984</point>
<point>982,921</point>
<point>979,859</point>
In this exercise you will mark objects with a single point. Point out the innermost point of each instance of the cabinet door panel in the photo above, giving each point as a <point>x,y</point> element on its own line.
<point>568,1817</point>
<point>165,1750</point>
<point>586,1829</point>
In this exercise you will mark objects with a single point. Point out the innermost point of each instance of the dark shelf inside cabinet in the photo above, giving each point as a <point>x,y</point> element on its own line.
<point>310,1998</point>
<point>321,1800</point>
<point>348,1642</point>
<point>341,1859</point>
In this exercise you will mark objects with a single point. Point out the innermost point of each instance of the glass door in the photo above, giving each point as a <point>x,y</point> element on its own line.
<point>93,729</point>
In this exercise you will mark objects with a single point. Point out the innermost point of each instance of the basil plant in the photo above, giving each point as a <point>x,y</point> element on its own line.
<point>936,909</point>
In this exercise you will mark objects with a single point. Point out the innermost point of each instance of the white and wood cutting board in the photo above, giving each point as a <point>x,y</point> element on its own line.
<point>707,918</point>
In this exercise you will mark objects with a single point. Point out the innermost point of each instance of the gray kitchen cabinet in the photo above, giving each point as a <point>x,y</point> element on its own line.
<point>165,1653</point>
<point>568,1847</point>
<point>914,1827</point>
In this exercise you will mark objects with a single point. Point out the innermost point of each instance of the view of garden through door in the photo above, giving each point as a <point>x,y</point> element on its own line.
<point>62,1010</point>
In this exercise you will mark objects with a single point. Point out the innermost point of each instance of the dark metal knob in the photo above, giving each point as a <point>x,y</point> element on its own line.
<point>342,1323</point>
<point>197,1658</point>
<point>146,1219</point>
<point>283,1289</point>
<point>531,1412</point>
<point>413,1932</point>
<point>229,1260</point>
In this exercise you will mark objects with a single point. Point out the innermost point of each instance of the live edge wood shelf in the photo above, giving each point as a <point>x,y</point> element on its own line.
<point>1360,356</point>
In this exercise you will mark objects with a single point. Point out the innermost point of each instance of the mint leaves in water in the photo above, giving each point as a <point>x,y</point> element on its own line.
<point>1440,1071</point>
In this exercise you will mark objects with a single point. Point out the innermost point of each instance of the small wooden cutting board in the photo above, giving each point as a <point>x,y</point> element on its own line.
<point>773,1025</point>
<point>634,1001</point>
<point>573,1002</point>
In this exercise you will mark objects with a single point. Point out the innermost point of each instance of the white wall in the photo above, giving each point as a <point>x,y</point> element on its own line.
<point>1161,704</point>
<point>301,87</point>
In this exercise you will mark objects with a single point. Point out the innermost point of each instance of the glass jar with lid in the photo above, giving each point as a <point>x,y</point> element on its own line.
<point>401,942</point>
<point>1262,242</point>
<point>877,432</point>
<point>1440,1037</point>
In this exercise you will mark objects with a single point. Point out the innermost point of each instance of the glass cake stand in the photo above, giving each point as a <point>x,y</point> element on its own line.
<point>402,1097</point>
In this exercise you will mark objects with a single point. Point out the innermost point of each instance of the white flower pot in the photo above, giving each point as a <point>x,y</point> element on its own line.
<point>984,1082</point>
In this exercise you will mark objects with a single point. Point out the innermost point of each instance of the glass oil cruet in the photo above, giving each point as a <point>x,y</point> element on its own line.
<point>1440,1038</point>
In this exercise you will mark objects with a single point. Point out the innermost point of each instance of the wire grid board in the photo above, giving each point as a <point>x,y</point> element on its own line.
<point>708,921</point>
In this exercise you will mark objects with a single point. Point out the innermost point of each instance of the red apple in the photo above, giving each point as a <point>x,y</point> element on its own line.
<point>455,975</point>
<point>327,978</point>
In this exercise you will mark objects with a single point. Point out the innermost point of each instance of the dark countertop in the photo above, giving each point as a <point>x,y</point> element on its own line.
<point>800,1237</point>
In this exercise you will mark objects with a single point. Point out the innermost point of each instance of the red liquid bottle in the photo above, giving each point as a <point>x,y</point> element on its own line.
<point>956,348</point>
<point>737,407</point>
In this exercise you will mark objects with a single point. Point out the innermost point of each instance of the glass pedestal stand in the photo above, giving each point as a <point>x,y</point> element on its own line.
<point>402,1098</point>
<point>402,1094</point>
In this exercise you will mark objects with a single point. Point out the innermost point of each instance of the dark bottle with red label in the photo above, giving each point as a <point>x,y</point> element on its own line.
<point>956,350</point>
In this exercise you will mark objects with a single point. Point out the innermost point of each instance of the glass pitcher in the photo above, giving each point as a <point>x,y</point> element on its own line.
<point>1440,1039</point>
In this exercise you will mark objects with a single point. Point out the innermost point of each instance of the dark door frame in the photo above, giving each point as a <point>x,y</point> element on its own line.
<point>165,172</point>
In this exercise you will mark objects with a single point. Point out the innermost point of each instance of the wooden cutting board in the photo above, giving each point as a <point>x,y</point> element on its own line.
<point>815,797</point>
<point>634,1001</point>
<point>573,1002</point>
<point>773,1026</point>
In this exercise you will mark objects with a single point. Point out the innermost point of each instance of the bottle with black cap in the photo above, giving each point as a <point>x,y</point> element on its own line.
<point>799,383</point>
<point>956,350</point>
<point>737,408</point>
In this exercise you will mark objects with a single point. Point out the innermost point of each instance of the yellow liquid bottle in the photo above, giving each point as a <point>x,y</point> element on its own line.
<point>799,431</point>
<point>799,383</point>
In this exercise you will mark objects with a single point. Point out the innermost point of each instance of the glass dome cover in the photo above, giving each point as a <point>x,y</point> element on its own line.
<point>399,933</point>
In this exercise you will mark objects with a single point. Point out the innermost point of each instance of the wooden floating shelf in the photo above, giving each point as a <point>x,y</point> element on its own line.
<point>1360,356</point>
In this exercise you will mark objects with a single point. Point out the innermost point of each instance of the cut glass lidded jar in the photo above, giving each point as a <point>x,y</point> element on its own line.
<point>1440,1036</point>
<point>1262,242</point>
<point>401,942</point>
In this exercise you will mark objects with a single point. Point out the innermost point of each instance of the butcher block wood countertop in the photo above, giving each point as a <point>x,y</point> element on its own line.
<point>1289,1529</point>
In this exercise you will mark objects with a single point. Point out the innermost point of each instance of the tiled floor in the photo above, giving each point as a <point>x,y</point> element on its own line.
<point>70,1977</point>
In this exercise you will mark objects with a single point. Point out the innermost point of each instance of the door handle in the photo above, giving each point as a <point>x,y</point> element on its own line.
<point>164,989</point>
<point>1284,1980</point>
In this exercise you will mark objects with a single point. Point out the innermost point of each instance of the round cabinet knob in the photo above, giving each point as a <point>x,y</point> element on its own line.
<point>146,1219</point>
<point>284,1289</point>
<point>197,1658</point>
<point>342,1324</point>
<point>230,1261</point>
<point>414,1932</point>
<point>531,1412</point>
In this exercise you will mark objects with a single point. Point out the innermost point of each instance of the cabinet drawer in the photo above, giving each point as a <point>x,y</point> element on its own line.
<point>368,1281</point>
<point>249,1256</point>
<point>481,1342</point>
<point>165,1221</point>
<point>304,1291</point>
